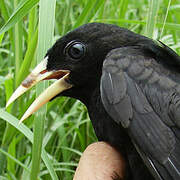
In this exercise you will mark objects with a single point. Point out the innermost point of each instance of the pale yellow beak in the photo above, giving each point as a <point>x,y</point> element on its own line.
<point>38,74</point>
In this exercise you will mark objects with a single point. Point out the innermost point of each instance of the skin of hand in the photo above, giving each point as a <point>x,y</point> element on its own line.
<point>100,161</point>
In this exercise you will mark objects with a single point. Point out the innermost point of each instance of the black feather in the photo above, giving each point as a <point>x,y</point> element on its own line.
<point>131,87</point>
<point>147,125</point>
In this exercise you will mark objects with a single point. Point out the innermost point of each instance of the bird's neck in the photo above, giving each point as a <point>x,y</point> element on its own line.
<point>105,127</point>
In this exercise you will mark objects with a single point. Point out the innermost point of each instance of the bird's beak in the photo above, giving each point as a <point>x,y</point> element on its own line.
<point>38,74</point>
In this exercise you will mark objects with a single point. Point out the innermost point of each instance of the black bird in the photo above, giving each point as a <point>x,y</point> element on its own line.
<point>131,87</point>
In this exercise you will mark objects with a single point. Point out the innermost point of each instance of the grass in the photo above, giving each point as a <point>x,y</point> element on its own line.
<point>49,145</point>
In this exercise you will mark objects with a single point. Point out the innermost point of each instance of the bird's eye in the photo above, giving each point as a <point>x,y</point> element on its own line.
<point>75,50</point>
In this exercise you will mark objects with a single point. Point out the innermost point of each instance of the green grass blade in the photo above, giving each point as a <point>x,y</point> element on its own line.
<point>152,17</point>
<point>29,56</point>
<point>168,26</point>
<point>72,150</point>
<point>18,14</point>
<point>45,41</point>
<point>29,135</point>
<point>48,164</point>
<point>32,23</point>
<point>123,8</point>
<point>18,44</point>
<point>169,3</point>
<point>1,37</point>
<point>8,91</point>
<point>88,12</point>
<point>4,10</point>
<point>3,178</point>
<point>12,153</point>
<point>14,159</point>
<point>15,122</point>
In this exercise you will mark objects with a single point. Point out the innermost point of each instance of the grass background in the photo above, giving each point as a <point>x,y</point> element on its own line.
<point>49,145</point>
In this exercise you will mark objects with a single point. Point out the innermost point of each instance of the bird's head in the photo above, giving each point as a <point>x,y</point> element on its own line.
<point>75,60</point>
<point>83,50</point>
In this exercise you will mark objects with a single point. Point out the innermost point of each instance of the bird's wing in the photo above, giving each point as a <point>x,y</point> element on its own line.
<point>139,94</point>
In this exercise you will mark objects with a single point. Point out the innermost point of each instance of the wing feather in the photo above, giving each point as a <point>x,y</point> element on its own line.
<point>125,97</point>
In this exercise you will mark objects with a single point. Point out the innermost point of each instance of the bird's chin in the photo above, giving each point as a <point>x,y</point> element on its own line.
<point>41,73</point>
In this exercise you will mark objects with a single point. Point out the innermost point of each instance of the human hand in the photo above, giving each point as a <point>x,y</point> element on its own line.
<point>100,161</point>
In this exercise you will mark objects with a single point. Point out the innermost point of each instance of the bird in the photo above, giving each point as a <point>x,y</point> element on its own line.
<point>130,85</point>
